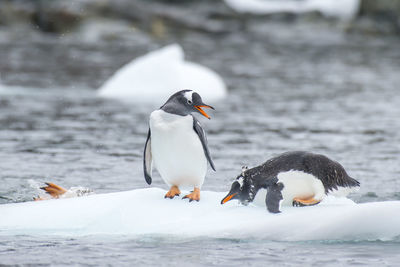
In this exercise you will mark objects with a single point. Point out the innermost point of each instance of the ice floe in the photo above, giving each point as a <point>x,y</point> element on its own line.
<point>146,212</point>
<point>159,74</point>
<point>344,9</point>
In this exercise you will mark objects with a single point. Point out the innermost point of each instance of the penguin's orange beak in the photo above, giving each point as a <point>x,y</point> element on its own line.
<point>199,108</point>
<point>227,198</point>
<point>234,193</point>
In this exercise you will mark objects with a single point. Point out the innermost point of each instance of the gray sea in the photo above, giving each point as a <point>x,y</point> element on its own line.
<point>291,87</point>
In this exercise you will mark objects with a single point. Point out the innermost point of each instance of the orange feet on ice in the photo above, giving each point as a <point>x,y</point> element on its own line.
<point>195,195</point>
<point>173,191</point>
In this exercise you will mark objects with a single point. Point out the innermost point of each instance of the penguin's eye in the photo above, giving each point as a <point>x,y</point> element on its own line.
<point>189,102</point>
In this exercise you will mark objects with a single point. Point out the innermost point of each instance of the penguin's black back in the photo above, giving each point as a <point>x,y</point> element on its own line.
<point>330,172</point>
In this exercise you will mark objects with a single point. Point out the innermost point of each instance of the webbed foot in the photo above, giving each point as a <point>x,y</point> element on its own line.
<point>173,191</point>
<point>55,191</point>
<point>195,195</point>
<point>297,202</point>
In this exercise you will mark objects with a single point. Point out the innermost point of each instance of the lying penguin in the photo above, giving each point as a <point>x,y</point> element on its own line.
<point>293,178</point>
<point>177,144</point>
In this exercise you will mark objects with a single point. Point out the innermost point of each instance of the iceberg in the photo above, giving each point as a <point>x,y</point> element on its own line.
<point>343,9</point>
<point>145,212</point>
<point>159,74</point>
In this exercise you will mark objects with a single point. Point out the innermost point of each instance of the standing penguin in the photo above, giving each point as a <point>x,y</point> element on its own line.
<point>295,178</point>
<point>177,144</point>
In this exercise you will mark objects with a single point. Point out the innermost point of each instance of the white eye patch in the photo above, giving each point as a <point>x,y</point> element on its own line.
<point>244,169</point>
<point>188,95</point>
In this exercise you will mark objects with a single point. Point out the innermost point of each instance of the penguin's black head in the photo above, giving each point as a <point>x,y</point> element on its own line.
<point>185,102</point>
<point>240,189</point>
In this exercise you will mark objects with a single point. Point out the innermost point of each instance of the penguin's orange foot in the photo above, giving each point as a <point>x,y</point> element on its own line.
<point>195,195</point>
<point>297,202</point>
<point>173,191</point>
<point>53,190</point>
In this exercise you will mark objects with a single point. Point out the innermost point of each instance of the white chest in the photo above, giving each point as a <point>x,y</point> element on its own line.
<point>301,185</point>
<point>176,149</point>
<point>296,184</point>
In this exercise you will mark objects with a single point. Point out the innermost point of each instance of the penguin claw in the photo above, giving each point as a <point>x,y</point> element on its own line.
<point>296,203</point>
<point>171,196</point>
<point>194,195</point>
<point>190,199</point>
<point>173,191</point>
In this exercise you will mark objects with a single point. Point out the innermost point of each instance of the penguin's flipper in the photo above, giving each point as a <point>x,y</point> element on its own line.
<point>202,135</point>
<point>274,197</point>
<point>147,159</point>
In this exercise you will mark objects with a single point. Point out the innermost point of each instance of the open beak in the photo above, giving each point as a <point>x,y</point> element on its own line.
<point>199,108</point>
<point>227,198</point>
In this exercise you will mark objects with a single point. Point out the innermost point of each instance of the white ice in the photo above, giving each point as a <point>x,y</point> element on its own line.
<point>159,74</point>
<point>146,212</point>
<point>343,9</point>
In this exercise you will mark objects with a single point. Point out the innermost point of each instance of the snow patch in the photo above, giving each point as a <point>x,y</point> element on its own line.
<point>343,9</point>
<point>145,211</point>
<point>159,74</point>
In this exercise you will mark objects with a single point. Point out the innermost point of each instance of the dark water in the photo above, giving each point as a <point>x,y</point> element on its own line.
<point>158,251</point>
<point>291,88</point>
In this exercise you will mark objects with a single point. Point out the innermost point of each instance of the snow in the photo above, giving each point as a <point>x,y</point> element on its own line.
<point>343,9</point>
<point>146,212</point>
<point>159,74</point>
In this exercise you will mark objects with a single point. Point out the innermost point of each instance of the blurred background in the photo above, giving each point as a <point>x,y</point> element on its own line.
<point>55,43</point>
<point>318,75</point>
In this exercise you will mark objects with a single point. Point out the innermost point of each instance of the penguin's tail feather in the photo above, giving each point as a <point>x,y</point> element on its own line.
<point>351,182</point>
